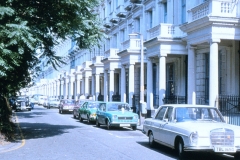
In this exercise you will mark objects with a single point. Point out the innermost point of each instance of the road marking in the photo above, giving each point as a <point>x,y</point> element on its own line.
<point>22,137</point>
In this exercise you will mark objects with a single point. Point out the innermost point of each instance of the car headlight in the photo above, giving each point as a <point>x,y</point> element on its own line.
<point>93,115</point>
<point>114,117</point>
<point>135,117</point>
<point>194,138</point>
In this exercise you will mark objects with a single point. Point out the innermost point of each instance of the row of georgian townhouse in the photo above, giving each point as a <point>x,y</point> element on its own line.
<point>191,55</point>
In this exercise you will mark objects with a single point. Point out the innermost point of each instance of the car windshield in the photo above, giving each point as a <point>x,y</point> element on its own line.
<point>118,106</point>
<point>197,114</point>
<point>69,102</point>
<point>93,105</point>
<point>21,99</point>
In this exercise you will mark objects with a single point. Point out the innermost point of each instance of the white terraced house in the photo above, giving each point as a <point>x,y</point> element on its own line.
<point>190,55</point>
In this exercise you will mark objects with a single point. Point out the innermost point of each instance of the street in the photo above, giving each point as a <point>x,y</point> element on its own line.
<point>50,135</point>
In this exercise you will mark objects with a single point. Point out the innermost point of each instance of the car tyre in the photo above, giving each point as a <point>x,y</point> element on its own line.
<point>151,141</point>
<point>80,118</point>
<point>88,119</point>
<point>97,123</point>
<point>237,156</point>
<point>108,124</point>
<point>181,152</point>
<point>134,128</point>
<point>74,115</point>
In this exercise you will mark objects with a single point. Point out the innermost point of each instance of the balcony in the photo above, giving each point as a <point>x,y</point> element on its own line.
<point>113,17</point>
<point>136,1</point>
<point>121,12</point>
<point>133,43</point>
<point>112,53</point>
<point>164,30</point>
<point>213,8</point>
<point>107,22</point>
<point>127,5</point>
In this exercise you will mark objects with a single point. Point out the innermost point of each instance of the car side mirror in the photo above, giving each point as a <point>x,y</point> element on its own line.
<point>165,120</point>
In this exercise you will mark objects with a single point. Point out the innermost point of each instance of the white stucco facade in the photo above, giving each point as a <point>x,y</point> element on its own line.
<point>191,55</point>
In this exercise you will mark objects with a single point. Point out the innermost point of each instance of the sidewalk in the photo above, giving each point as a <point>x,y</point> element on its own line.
<point>6,146</point>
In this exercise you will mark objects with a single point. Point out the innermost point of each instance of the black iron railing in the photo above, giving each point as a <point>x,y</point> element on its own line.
<point>175,100</point>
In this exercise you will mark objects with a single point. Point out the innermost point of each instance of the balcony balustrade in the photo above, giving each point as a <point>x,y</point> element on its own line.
<point>107,22</point>
<point>97,59</point>
<point>223,8</point>
<point>121,12</point>
<point>164,30</point>
<point>112,52</point>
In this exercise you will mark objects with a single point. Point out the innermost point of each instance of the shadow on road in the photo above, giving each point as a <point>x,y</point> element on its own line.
<point>190,156</point>
<point>43,130</point>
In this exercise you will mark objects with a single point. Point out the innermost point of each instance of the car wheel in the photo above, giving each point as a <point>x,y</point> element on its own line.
<point>151,141</point>
<point>80,118</point>
<point>134,128</point>
<point>108,124</point>
<point>74,116</point>
<point>180,148</point>
<point>88,119</point>
<point>237,156</point>
<point>97,123</point>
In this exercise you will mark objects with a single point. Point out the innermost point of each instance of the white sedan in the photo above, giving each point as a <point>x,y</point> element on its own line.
<point>192,128</point>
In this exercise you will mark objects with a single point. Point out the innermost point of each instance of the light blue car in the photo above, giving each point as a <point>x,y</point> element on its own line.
<point>116,114</point>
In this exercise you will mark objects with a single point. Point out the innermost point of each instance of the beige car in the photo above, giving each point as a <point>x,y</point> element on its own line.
<point>192,128</point>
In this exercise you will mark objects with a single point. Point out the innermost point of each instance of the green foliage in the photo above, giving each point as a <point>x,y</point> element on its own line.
<point>30,25</point>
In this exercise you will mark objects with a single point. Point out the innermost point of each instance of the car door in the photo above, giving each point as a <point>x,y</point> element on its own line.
<point>100,113</point>
<point>158,122</point>
<point>166,126</point>
<point>85,110</point>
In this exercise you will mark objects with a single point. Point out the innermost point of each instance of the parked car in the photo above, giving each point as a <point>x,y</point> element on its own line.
<point>21,103</point>
<point>42,100</point>
<point>116,114</point>
<point>88,111</point>
<point>192,128</point>
<point>77,105</point>
<point>66,105</point>
<point>53,102</point>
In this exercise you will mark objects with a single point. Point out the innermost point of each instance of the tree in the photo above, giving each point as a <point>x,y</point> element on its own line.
<point>28,26</point>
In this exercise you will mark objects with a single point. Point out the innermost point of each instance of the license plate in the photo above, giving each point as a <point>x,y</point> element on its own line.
<point>124,125</point>
<point>224,149</point>
<point>70,110</point>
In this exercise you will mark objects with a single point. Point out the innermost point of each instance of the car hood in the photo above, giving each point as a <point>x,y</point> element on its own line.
<point>93,110</point>
<point>204,128</point>
<point>120,113</point>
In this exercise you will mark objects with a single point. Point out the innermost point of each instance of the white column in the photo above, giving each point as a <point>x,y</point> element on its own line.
<point>78,87</point>
<point>131,83</point>
<point>61,88</point>
<point>66,88</point>
<point>149,85</point>
<point>162,79</point>
<point>97,87</point>
<point>93,87</point>
<point>57,88</point>
<point>105,86</point>
<point>111,84</point>
<point>191,75</point>
<point>213,76</point>
<point>71,79</point>
<point>86,90</point>
<point>123,84</point>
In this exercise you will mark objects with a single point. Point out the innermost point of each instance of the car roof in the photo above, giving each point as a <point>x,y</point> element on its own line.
<point>187,105</point>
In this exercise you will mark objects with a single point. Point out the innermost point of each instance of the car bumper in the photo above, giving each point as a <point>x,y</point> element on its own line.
<point>23,107</point>
<point>126,124</point>
<point>209,149</point>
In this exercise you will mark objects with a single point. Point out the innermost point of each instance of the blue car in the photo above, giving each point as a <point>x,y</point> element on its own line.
<point>117,114</point>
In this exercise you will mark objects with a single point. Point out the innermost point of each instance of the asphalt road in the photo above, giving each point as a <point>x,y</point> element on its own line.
<point>48,135</point>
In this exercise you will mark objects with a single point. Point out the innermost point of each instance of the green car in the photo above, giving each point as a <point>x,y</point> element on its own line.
<point>116,114</point>
<point>87,111</point>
